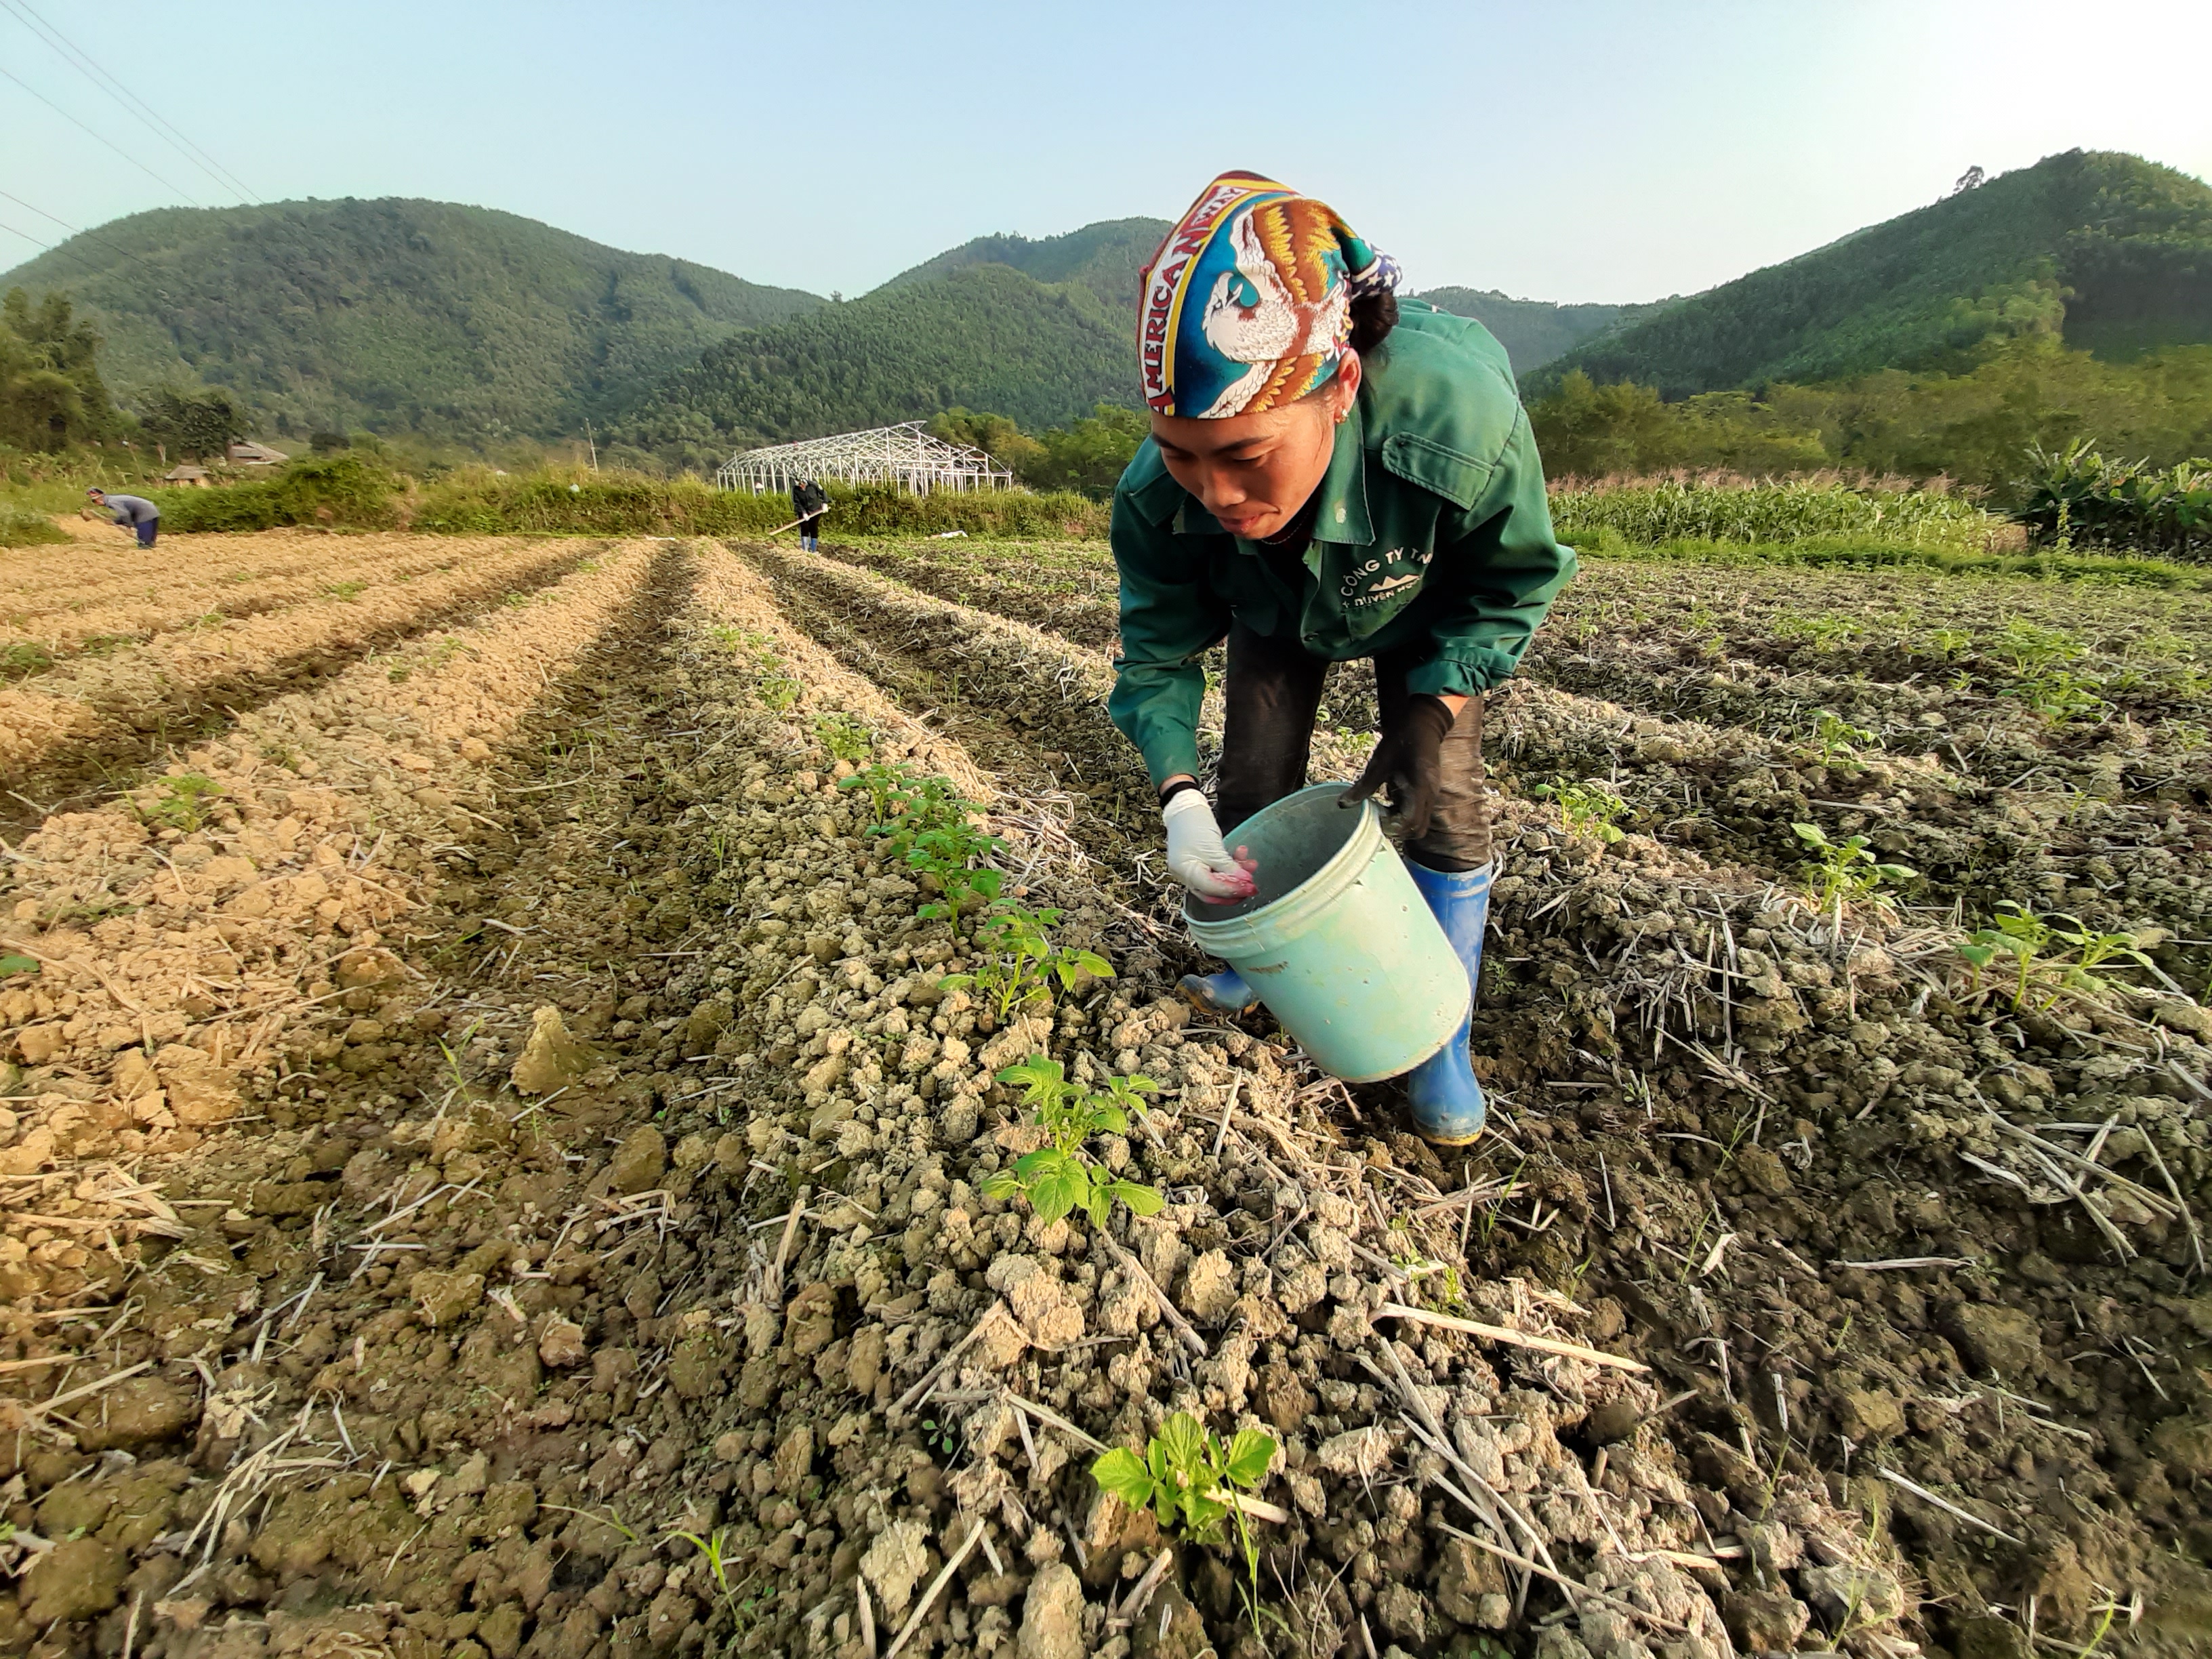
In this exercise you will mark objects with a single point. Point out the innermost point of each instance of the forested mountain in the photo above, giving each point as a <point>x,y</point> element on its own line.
<point>2111,252</point>
<point>396,315</point>
<point>1105,258</point>
<point>1534,332</point>
<point>986,337</point>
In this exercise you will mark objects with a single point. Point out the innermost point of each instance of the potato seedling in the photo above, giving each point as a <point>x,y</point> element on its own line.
<point>1591,809</point>
<point>1059,1177</point>
<point>1021,962</point>
<point>180,806</point>
<point>1846,871</point>
<point>1192,1482</point>
<point>2020,933</point>
<point>845,738</point>
<point>1839,742</point>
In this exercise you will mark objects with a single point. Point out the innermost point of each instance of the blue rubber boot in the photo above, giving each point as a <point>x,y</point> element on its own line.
<point>1441,1093</point>
<point>1224,992</point>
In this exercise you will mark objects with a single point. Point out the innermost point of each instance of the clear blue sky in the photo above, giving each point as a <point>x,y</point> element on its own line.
<point>1564,150</point>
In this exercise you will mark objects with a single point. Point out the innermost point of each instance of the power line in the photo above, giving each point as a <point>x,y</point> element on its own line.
<point>90,235</point>
<point>88,132</point>
<point>50,247</point>
<point>149,116</point>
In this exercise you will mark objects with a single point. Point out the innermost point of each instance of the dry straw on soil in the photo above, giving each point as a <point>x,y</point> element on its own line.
<point>596,1257</point>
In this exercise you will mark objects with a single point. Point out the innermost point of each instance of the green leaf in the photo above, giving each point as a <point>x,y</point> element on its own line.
<point>1141,1200</point>
<point>11,964</point>
<point>1109,1121</point>
<point>1057,1190</point>
<point>1036,1072</point>
<point>1124,1474</point>
<point>1184,1443</point>
<point>956,981</point>
<point>1249,1454</point>
<point>1004,1185</point>
<point>1980,955</point>
<point>1811,835</point>
<point>1094,964</point>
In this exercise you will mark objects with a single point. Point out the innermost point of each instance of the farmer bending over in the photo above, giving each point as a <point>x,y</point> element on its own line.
<point>133,511</point>
<point>1330,475</point>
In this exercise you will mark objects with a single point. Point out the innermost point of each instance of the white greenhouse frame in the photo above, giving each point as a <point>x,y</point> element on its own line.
<point>906,455</point>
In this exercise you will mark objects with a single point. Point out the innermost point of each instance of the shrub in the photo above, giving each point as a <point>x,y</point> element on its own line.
<point>21,527</point>
<point>2074,497</point>
<point>340,491</point>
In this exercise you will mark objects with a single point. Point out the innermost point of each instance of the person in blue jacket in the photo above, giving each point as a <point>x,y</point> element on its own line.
<point>1332,473</point>
<point>133,512</point>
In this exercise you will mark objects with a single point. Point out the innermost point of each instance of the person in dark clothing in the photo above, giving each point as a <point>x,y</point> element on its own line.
<point>809,501</point>
<point>135,513</point>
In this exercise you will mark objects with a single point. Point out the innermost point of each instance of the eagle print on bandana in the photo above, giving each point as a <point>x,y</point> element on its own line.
<point>1270,275</point>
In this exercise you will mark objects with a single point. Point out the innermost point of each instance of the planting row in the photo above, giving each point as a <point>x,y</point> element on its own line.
<point>202,592</point>
<point>63,727</point>
<point>718,1225</point>
<point>1784,1064</point>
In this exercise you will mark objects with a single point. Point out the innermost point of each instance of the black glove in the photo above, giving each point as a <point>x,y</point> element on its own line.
<point>1407,758</point>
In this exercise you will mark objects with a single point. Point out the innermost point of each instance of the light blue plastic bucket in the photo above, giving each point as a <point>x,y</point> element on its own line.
<point>1337,942</point>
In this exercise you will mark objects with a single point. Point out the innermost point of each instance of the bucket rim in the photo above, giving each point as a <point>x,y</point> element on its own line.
<point>1291,914</point>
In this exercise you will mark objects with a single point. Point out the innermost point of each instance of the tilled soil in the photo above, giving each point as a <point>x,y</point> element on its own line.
<point>509,1182</point>
<point>68,732</point>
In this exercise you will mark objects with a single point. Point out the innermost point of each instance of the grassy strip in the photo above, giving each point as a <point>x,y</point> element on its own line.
<point>1784,510</point>
<point>21,527</point>
<point>1844,552</point>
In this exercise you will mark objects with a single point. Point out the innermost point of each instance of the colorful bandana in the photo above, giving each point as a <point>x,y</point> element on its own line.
<point>1247,304</point>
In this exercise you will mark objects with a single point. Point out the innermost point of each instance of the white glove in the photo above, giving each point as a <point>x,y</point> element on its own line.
<point>1195,852</point>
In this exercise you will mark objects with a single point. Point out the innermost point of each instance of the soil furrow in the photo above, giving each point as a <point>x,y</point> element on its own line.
<point>79,727</point>
<point>627,1185</point>
<point>202,582</point>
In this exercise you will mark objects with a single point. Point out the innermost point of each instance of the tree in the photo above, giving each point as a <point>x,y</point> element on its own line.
<point>51,393</point>
<point>1090,454</point>
<point>202,423</point>
<point>1970,179</point>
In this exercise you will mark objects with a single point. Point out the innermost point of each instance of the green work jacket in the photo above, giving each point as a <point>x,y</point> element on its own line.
<point>1432,532</point>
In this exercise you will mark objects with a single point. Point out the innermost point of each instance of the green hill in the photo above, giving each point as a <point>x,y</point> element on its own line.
<point>2110,251</point>
<point>396,315</point>
<point>985,336</point>
<point>1105,258</point>
<point>1534,332</point>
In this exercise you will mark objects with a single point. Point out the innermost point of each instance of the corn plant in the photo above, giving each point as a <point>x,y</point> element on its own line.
<point>1846,871</point>
<point>1591,809</point>
<point>1192,1482</point>
<point>1059,1177</point>
<point>1018,961</point>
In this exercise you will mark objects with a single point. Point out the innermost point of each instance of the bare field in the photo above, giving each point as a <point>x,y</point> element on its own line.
<point>505,1150</point>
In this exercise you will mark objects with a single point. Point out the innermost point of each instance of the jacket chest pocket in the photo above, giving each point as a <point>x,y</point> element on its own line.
<point>1370,584</point>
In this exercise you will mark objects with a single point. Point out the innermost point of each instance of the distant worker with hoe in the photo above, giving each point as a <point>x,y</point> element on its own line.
<point>134,513</point>
<point>810,500</point>
<point>1331,474</point>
